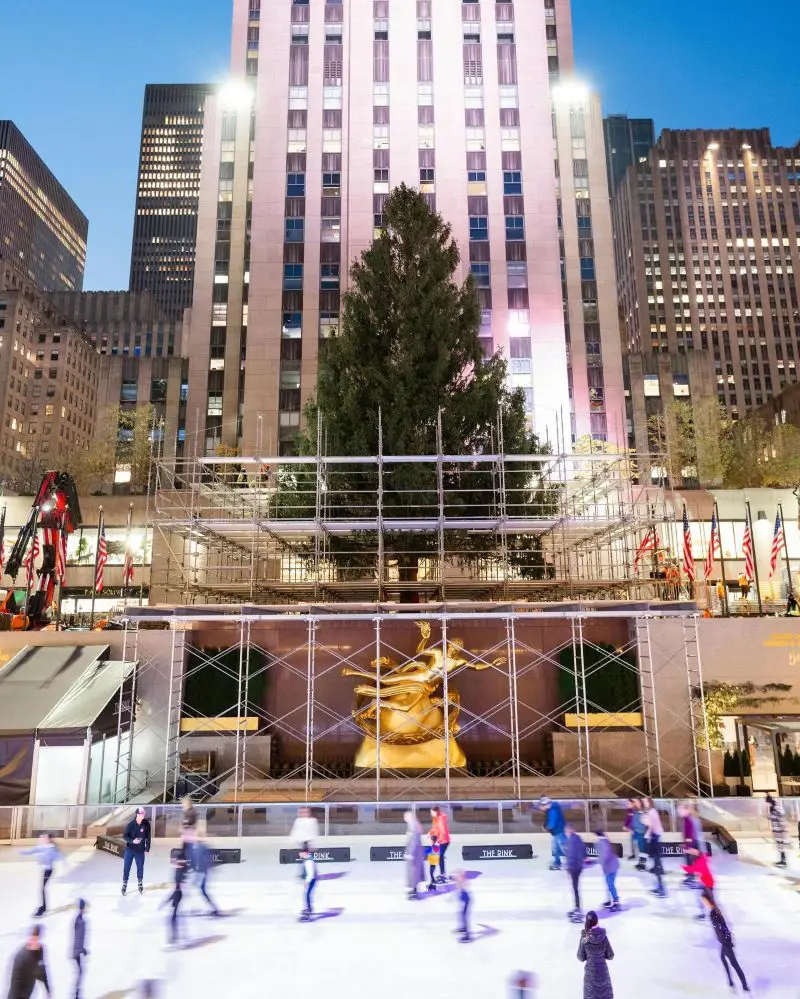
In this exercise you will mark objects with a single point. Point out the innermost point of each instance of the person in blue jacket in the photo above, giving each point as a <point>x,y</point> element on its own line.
<point>554,823</point>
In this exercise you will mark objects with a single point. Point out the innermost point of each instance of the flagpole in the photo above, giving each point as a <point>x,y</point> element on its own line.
<point>755,556</point>
<point>128,554</point>
<point>725,608</point>
<point>786,550</point>
<point>96,553</point>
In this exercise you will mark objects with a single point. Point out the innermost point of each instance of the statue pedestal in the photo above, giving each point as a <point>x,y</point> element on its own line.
<point>430,755</point>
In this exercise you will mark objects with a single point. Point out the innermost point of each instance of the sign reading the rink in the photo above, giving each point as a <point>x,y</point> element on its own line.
<point>517,851</point>
<point>324,855</point>
<point>109,845</point>
<point>387,853</point>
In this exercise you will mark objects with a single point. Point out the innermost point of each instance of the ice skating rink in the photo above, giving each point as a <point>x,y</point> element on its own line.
<point>369,940</point>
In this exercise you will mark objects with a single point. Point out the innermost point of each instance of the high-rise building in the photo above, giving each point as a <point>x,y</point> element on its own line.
<point>628,140</point>
<point>165,226</point>
<point>42,230</point>
<point>707,247</point>
<point>301,151</point>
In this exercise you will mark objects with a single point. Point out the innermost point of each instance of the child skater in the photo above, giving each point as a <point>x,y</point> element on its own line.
<point>309,875</point>
<point>432,857</point>
<point>725,938</point>
<point>465,899</point>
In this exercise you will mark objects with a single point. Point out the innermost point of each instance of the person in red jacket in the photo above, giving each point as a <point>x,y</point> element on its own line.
<point>440,830</point>
<point>701,868</point>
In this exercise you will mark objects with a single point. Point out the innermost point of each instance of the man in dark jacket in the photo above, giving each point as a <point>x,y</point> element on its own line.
<point>28,968</point>
<point>137,844</point>
<point>79,950</point>
<point>576,855</point>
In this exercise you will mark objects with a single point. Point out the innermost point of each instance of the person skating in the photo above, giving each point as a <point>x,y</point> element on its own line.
<point>554,823</point>
<point>692,836</point>
<point>609,862</point>
<point>414,855</point>
<point>655,830</point>
<point>305,831</point>
<point>575,852</point>
<point>29,967</point>
<point>639,830</point>
<point>465,901</point>
<point>137,845</point>
<point>180,861</point>
<point>47,854</point>
<point>628,827</point>
<point>725,937</point>
<point>780,830</point>
<point>188,813</point>
<point>79,950</point>
<point>432,856</point>
<point>202,863</point>
<point>441,830</point>
<point>699,866</point>
<point>595,951</point>
<point>310,878</point>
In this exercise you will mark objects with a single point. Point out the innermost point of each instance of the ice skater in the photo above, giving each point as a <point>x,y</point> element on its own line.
<point>575,857</point>
<point>595,951</point>
<point>655,830</point>
<point>180,861</point>
<point>305,831</point>
<point>137,845</point>
<point>628,827</point>
<point>692,835</point>
<point>414,855</point>
<point>201,862</point>
<point>29,967</point>
<point>79,950</point>
<point>432,859</point>
<point>554,824</point>
<point>465,902</point>
<point>780,830</point>
<point>47,854</point>
<point>609,862</point>
<point>699,866</point>
<point>725,938</point>
<point>309,875</point>
<point>440,829</point>
<point>639,830</point>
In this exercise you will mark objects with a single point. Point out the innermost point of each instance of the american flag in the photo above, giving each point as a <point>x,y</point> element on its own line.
<point>688,558</point>
<point>649,543</point>
<point>778,543</point>
<point>747,550</point>
<point>714,547</point>
<point>127,571</point>
<point>102,558</point>
<point>2,540</point>
<point>61,555</point>
<point>30,558</point>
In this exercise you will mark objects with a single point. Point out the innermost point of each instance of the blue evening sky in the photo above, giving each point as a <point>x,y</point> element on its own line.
<point>74,78</point>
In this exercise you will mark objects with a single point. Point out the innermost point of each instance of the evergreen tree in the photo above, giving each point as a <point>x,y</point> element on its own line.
<point>408,358</point>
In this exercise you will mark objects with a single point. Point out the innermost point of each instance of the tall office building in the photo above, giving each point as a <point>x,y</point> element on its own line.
<point>628,140</point>
<point>301,151</point>
<point>165,226</point>
<point>707,246</point>
<point>42,230</point>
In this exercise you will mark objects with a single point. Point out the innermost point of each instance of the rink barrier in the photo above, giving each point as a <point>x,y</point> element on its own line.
<point>387,853</point>
<point>591,849</point>
<point>725,841</point>
<point>218,857</point>
<point>514,851</point>
<point>326,855</point>
<point>108,844</point>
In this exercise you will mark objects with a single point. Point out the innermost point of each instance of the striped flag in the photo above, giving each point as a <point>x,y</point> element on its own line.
<point>102,558</point>
<point>649,544</point>
<point>747,551</point>
<point>778,543</point>
<point>61,555</point>
<point>714,547</point>
<point>127,572</point>
<point>2,540</point>
<point>30,558</point>
<point>688,558</point>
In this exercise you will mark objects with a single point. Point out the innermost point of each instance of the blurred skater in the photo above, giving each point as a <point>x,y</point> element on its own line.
<point>522,985</point>
<point>180,861</point>
<point>47,854</point>
<point>655,831</point>
<point>699,866</point>
<point>725,938</point>
<point>628,827</point>
<point>414,855</point>
<point>639,834</point>
<point>29,967</point>
<point>202,863</point>
<point>692,835</point>
<point>310,878</point>
<point>595,952</point>
<point>780,830</point>
<point>576,855</point>
<point>188,813</point>
<point>79,950</point>
<point>555,825</point>
<point>137,845</point>
<point>432,859</point>
<point>609,862</point>
<point>465,901</point>
<point>305,831</point>
<point>441,830</point>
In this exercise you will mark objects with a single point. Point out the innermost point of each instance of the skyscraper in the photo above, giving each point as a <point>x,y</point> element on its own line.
<point>42,230</point>
<point>628,140</point>
<point>165,226</point>
<point>300,155</point>
<point>707,245</point>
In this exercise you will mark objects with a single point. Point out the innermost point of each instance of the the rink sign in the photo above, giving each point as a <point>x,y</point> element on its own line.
<point>324,855</point>
<point>516,851</point>
<point>387,853</point>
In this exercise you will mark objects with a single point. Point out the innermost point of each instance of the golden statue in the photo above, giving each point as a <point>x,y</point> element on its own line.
<point>400,702</point>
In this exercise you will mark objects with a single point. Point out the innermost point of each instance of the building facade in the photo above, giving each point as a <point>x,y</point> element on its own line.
<point>628,141</point>
<point>42,230</point>
<point>300,155</point>
<point>707,248</point>
<point>165,224</point>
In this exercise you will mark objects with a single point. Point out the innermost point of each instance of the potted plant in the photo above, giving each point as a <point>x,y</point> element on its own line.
<point>743,788</point>
<point>730,767</point>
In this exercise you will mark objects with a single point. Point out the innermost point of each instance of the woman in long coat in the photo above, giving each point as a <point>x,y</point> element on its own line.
<point>595,951</point>
<point>414,854</point>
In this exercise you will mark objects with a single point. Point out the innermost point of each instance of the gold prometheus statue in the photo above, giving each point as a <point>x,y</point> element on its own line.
<point>401,707</point>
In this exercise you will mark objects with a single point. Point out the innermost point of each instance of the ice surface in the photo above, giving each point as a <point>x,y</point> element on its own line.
<point>376,943</point>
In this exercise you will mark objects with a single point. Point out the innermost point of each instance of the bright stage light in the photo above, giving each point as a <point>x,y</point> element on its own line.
<point>571,92</point>
<point>235,95</point>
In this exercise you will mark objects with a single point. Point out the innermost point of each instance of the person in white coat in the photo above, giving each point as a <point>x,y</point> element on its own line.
<point>305,831</point>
